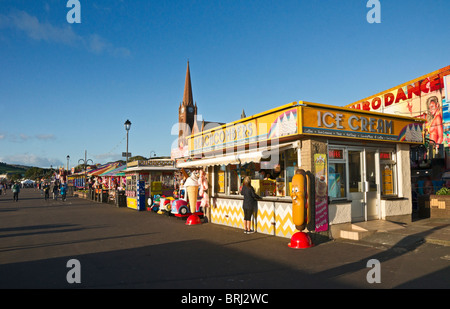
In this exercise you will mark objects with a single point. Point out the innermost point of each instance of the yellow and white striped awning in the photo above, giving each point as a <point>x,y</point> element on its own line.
<point>237,158</point>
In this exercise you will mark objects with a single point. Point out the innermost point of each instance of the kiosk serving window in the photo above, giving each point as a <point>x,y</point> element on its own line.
<point>270,177</point>
<point>131,183</point>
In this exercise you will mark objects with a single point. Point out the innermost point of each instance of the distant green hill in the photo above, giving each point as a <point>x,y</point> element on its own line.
<point>13,169</point>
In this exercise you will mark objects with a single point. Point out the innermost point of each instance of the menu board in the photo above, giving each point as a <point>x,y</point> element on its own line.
<point>387,184</point>
<point>221,182</point>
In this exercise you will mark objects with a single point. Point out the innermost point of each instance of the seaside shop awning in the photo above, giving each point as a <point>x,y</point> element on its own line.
<point>150,168</point>
<point>238,158</point>
<point>102,169</point>
<point>118,171</point>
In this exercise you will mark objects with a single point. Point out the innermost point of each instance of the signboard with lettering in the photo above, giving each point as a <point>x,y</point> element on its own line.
<point>345,123</point>
<point>295,119</point>
<point>274,124</point>
<point>423,98</point>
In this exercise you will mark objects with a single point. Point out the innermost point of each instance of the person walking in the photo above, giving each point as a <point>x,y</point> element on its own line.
<point>55,191</point>
<point>63,191</point>
<point>15,189</point>
<point>46,189</point>
<point>250,204</point>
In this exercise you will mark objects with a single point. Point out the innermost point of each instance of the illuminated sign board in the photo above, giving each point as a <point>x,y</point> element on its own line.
<point>385,156</point>
<point>335,154</point>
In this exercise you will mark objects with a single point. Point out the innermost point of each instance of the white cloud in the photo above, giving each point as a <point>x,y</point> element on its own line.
<point>44,31</point>
<point>22,137</point>
<point>45,137</point>
<point>108,157</point>
<point>31,160</point>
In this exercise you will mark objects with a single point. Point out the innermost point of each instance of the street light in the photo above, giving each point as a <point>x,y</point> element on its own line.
<point>68,157</point>
<point>127,127</point>
<point>84,162</point>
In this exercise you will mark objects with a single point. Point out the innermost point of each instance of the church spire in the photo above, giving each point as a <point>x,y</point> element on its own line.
<point>188,99</point>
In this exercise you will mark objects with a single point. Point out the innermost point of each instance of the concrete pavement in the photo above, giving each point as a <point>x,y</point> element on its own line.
<point>120,248</point>
<point>430,230</point>
<point>389,234</point>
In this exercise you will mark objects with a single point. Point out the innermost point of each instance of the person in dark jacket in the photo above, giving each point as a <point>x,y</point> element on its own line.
<point>250,204</point>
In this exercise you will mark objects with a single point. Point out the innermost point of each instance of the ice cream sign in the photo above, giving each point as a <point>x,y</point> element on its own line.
<point>360,125</point>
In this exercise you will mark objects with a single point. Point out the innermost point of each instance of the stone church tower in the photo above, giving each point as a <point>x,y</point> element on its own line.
<point>187,112</point>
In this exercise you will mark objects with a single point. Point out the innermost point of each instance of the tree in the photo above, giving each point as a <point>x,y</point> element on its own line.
<point>34,173</point>
<point>137,158</point>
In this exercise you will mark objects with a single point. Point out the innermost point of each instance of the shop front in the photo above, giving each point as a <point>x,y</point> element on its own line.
<point>147,178</point>
<point>359,161</point>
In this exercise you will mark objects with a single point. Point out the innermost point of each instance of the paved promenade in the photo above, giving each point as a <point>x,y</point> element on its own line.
<point>120,248</point>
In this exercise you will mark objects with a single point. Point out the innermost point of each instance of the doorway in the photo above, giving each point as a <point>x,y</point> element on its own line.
<point>363,183</point>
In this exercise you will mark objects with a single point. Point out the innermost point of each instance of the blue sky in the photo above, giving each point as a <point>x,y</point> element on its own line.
<point>66,88</point>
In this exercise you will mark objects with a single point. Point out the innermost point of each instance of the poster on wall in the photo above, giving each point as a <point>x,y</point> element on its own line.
<point>320,173</point>
<point>446,111</point>
<point>423,97</point>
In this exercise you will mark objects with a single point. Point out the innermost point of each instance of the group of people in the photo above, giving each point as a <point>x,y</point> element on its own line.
<point>60,188</point>
<point>57,187</point>
<point>15,189</point>
<point>3,187</point>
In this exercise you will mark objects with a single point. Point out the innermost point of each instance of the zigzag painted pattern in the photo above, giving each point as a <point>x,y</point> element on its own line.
<point>273,218</point>
<point>285,226</point>
<point>228,212</point>
<point>265,218</point>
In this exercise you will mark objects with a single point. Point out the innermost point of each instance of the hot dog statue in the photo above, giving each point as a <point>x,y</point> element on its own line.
<point>298,195</point>
<point>302,199</point>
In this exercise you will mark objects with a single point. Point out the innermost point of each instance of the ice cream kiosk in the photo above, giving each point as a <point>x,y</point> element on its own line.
<point>147,178</point>
<point>359,161</point>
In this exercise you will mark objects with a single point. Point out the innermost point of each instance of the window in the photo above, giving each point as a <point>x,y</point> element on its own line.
<point>131,186</point>
<point>234,179</point>
<point>337,176</point>
<point>270,177</point>
<point>220,179</point>
<point>291,166</point>
<point>388,173</point>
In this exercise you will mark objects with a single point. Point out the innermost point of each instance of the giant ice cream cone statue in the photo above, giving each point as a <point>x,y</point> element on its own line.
<point>192,192</point>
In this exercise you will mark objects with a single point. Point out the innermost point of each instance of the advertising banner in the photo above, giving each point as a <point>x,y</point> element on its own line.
<point>319,120</point>
<point>422,98</point>
<point>321,203</point>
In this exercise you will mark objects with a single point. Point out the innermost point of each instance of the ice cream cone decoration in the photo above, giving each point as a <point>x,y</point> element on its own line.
<point>192,192</point>
<point>191,185</point>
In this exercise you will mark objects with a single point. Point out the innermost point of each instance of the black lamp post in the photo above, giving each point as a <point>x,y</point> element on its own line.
<point>85,162</point>
<point>127,128</point>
